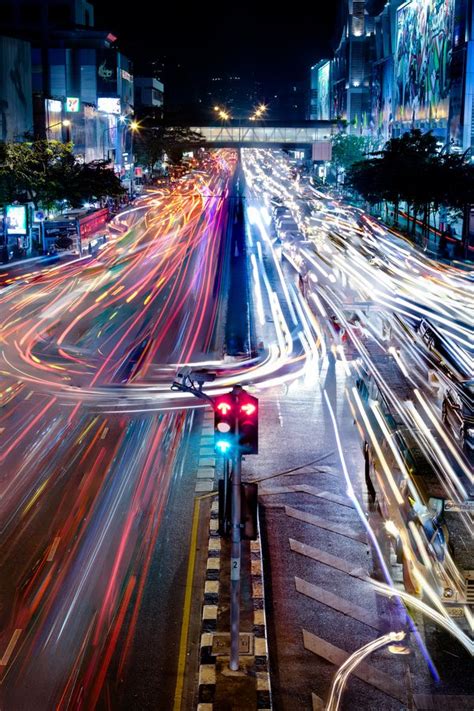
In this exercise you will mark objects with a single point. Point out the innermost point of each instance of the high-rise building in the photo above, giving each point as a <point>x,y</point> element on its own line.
<point>78,74</point>
<point>36,20</point>
<point>400,65</point>
<point>16,106</point>
<point>351,68</point>
<point>149,97</point>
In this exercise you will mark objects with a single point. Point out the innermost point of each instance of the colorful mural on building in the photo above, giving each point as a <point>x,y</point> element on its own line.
<point>422,61</point>
<point>382,110</point>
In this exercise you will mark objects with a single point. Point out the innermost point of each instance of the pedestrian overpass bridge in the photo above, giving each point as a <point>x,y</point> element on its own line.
<point>263,134</point>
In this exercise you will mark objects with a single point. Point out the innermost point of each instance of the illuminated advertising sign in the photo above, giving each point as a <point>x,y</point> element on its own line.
<point>72,104</point>
<point>16,219</point>
<point>109,105</point>
<point>54,106</point>
<point>90,224</point>
<point>106,71</point>
<point>423,60</point>
<point>323,92</point>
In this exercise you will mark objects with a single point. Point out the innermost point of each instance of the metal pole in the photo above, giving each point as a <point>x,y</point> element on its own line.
<point>235,558</point>
<point>132,169</point>
<point>226,495</point>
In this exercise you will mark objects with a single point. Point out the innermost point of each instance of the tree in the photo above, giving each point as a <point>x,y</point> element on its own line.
<point>33,171</point>
<point>153,141</point>
<point>411,169</point>
<point>410,162</point>
<point>367,178</point>
<point>405,170</point>
<point>90,182</point>
<point>47,172</point>
<point>346,151</point>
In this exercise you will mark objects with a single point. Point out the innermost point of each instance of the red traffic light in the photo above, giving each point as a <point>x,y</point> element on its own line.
<point>248,423</point>
<point>224,423</point>
<point>249,408</point>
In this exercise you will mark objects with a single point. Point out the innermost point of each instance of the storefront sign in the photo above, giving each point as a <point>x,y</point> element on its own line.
<point>72,104</point>
<point>53,106</point>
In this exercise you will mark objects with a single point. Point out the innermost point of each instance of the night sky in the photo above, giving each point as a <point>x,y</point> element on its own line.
<point>268,44</point>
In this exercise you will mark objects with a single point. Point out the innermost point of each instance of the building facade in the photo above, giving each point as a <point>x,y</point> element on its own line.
<point>149,92</point>
<point>82,85</point>
<point>409,64</point>
<point>16,105</point>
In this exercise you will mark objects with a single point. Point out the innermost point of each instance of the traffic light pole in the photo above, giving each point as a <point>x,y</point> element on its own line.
<point>242,409</point>
<point>235,557</point>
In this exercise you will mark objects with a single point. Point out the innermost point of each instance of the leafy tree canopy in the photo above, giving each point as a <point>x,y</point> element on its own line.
<point>46,172</point>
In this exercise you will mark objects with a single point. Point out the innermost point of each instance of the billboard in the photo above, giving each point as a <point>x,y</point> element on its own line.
<point>109,105</point>
<point>16,219</point>
<point>423,61</point>
<point>323,91</point>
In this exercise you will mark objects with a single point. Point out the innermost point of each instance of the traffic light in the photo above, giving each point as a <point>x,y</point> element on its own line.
<point>248,423</point>
<point>224,423</point>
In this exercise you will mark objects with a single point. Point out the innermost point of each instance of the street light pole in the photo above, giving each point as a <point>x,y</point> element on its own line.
<point>66,123</point>
<point>132,159</point>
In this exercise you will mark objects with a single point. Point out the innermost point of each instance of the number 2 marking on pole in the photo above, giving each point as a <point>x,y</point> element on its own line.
<point>234,569</point>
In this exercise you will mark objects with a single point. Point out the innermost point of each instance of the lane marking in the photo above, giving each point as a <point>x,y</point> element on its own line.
<point>311,490</point>
<point>332,561</point>
<point>433,702</point>
<point>318,703</point>
<point>204,485</point>
<point>11,646</point>
<point>336,603</point>
<point>366,672</point>
<point>104,433</point>
<point>339,528</point>
<point>53,549</point>
<point>186,609</point>
<point>29,395</point>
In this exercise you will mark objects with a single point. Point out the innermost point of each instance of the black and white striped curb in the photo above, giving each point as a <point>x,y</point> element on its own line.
<point>262,666</point>
<point>207,459</point>
<point>207,666</point>
<point>207,662</point>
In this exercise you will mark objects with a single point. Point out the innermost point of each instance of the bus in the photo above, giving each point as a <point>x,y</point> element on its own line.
<point>84,230</point>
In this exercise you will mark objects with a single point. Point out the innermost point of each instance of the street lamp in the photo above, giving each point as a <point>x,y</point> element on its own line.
<point>66,123</point>
<point>259,112</point>
<point>222,113</point>
<point>134,126</point>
